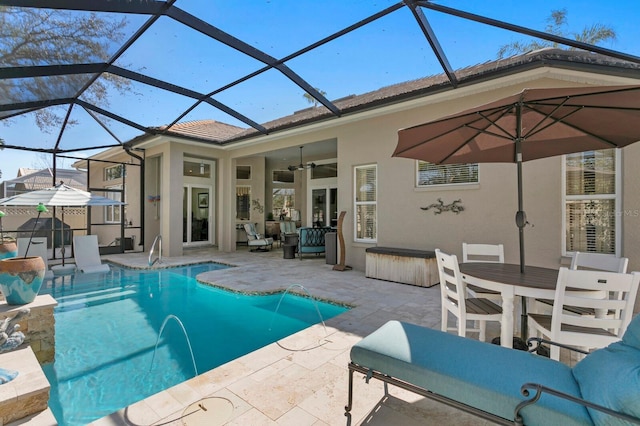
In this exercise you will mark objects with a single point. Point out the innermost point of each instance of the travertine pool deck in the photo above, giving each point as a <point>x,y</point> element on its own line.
<point>302,379</point>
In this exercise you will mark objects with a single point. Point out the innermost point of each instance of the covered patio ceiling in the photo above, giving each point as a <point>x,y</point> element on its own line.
<point>188,60</point>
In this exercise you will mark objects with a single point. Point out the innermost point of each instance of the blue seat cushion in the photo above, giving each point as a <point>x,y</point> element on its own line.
<point>611,377</point>
<point>479,374</point>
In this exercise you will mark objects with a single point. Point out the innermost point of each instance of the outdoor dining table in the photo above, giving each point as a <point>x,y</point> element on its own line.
<point>506,278</point>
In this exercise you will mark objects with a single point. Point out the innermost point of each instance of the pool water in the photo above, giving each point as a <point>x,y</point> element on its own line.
<point>107,328</point>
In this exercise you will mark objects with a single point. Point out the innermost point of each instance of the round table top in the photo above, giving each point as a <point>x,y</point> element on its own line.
<point>507,273</point>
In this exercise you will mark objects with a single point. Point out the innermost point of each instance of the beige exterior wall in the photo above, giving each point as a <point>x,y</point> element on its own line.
<point>370,138</point>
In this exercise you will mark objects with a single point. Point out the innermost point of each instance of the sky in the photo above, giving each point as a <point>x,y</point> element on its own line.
<point>387,51</point>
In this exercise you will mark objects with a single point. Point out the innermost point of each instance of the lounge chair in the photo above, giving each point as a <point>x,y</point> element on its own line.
<point>87,254</point>
<point>38,247</point>
<point>503,385</point>
<point>255,240</point>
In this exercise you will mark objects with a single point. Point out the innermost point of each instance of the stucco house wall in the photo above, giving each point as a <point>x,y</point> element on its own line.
<point>369,137</point>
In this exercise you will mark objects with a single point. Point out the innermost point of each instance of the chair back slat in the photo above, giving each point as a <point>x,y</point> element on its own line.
<point>485,253</point>
<point>452,287</point>
<point>600,262</point>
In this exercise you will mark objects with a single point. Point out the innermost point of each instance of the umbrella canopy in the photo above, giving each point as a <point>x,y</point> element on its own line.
<point>533,124</point>
<point>60,195</point>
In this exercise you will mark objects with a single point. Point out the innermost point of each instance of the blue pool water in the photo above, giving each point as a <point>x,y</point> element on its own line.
<point>107,328</point>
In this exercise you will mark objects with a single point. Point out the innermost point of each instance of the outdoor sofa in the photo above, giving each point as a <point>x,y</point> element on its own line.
<point>506,386</point>
<point>311,240</point>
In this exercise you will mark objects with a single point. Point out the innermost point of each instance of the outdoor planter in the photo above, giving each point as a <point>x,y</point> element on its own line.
<point>8,249</point>
<point>21,279</point>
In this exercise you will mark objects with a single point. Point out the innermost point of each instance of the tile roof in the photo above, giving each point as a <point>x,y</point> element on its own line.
<point>204,129</point>
<point>221,133</point>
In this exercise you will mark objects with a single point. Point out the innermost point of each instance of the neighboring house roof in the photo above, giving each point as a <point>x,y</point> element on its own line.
<point>41,179</point>
<point>221,134</point>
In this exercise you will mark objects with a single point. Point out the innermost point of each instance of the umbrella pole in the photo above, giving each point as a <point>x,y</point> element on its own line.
<point>62,236</point>
<point>521,217</point>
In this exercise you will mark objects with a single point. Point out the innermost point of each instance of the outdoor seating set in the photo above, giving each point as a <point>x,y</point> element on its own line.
<point>305,240</point>
<point>592,307</point>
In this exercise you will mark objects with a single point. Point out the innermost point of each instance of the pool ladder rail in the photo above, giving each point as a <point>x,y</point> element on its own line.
<point>158,259</point>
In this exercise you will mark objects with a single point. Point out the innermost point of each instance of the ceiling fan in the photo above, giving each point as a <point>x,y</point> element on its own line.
<point>301,166</point>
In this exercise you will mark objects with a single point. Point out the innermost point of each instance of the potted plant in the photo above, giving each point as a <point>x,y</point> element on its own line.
<point>21,277</point>
<point>8,247</point>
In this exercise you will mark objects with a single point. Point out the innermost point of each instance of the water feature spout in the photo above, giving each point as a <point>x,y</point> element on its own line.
<point>315,303</point>
<point>171,316</point>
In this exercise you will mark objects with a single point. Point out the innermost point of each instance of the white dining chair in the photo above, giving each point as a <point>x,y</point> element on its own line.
<point>454,299</point>
<point>483,253</point>
<point>587,332</point>
<point>587,261</point>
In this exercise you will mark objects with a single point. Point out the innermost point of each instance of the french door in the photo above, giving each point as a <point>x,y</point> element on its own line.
<point>196,215</point>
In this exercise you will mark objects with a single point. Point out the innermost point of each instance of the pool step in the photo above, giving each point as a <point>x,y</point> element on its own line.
<point>117,294</point>
<point>28,393</point>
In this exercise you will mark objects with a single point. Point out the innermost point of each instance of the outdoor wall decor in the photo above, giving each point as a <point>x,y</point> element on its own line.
<point>257,206</point>
<point>10,336</point>
<point>440,207</point>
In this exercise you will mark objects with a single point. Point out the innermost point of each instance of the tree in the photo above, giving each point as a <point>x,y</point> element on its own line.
<point>32,36</point>
<point>313,100</point>
<point>556,24</point>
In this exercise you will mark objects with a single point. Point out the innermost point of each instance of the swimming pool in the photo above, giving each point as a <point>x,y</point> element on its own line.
<point>107,328</point>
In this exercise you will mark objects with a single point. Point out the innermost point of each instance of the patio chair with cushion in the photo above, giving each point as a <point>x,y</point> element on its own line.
<point>454,299</point>
<point>256,240</point>
<point>502,385</point>
<point>588,332</point>
<point>287,227</point>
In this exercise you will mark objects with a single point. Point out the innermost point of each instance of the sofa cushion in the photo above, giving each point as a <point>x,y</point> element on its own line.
<point>476,373</point>
<point>611,377</point>
<point>632,334</point>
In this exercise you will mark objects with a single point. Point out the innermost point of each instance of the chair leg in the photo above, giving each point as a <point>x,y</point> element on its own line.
<point>555,353</point>
<point>444,320</point>
<point>462,327</point>
<point>483,331</point>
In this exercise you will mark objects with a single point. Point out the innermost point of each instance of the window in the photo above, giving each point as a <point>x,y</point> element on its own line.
<point>200,168</point>
<point>283,202</point>
<point>114,172</point>
<point>430,174</point>
<point>590,201</point>
<point>365,203</point>
<point>243,202</point>
<point>243,172</point>
<point>325,171</point>
<point>282,176</point>
<point>112,214</point>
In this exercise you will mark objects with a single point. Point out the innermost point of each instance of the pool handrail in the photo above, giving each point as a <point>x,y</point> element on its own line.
<point>158,259</point>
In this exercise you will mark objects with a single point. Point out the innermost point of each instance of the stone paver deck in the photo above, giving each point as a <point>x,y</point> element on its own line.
<point>302,379</point>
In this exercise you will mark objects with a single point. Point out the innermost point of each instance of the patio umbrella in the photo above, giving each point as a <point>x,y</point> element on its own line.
<point>60,195</point>
<point>533,124</point>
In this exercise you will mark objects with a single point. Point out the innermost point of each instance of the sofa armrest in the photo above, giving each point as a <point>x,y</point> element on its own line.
<point>540,389</point>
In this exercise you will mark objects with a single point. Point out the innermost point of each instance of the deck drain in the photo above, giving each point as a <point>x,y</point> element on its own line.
<point>208,412</point>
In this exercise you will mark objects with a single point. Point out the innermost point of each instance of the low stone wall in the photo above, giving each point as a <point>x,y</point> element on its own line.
<point>38,327</point>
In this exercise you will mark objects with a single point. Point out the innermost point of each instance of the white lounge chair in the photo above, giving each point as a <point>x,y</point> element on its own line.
<point>87,254</point>
<point>38,247</point>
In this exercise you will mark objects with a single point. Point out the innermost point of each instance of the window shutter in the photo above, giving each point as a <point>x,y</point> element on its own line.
<point>446,174</point>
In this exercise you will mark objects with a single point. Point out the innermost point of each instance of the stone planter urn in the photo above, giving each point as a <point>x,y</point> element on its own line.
<point>8,249</point>
<point>21,279</point>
